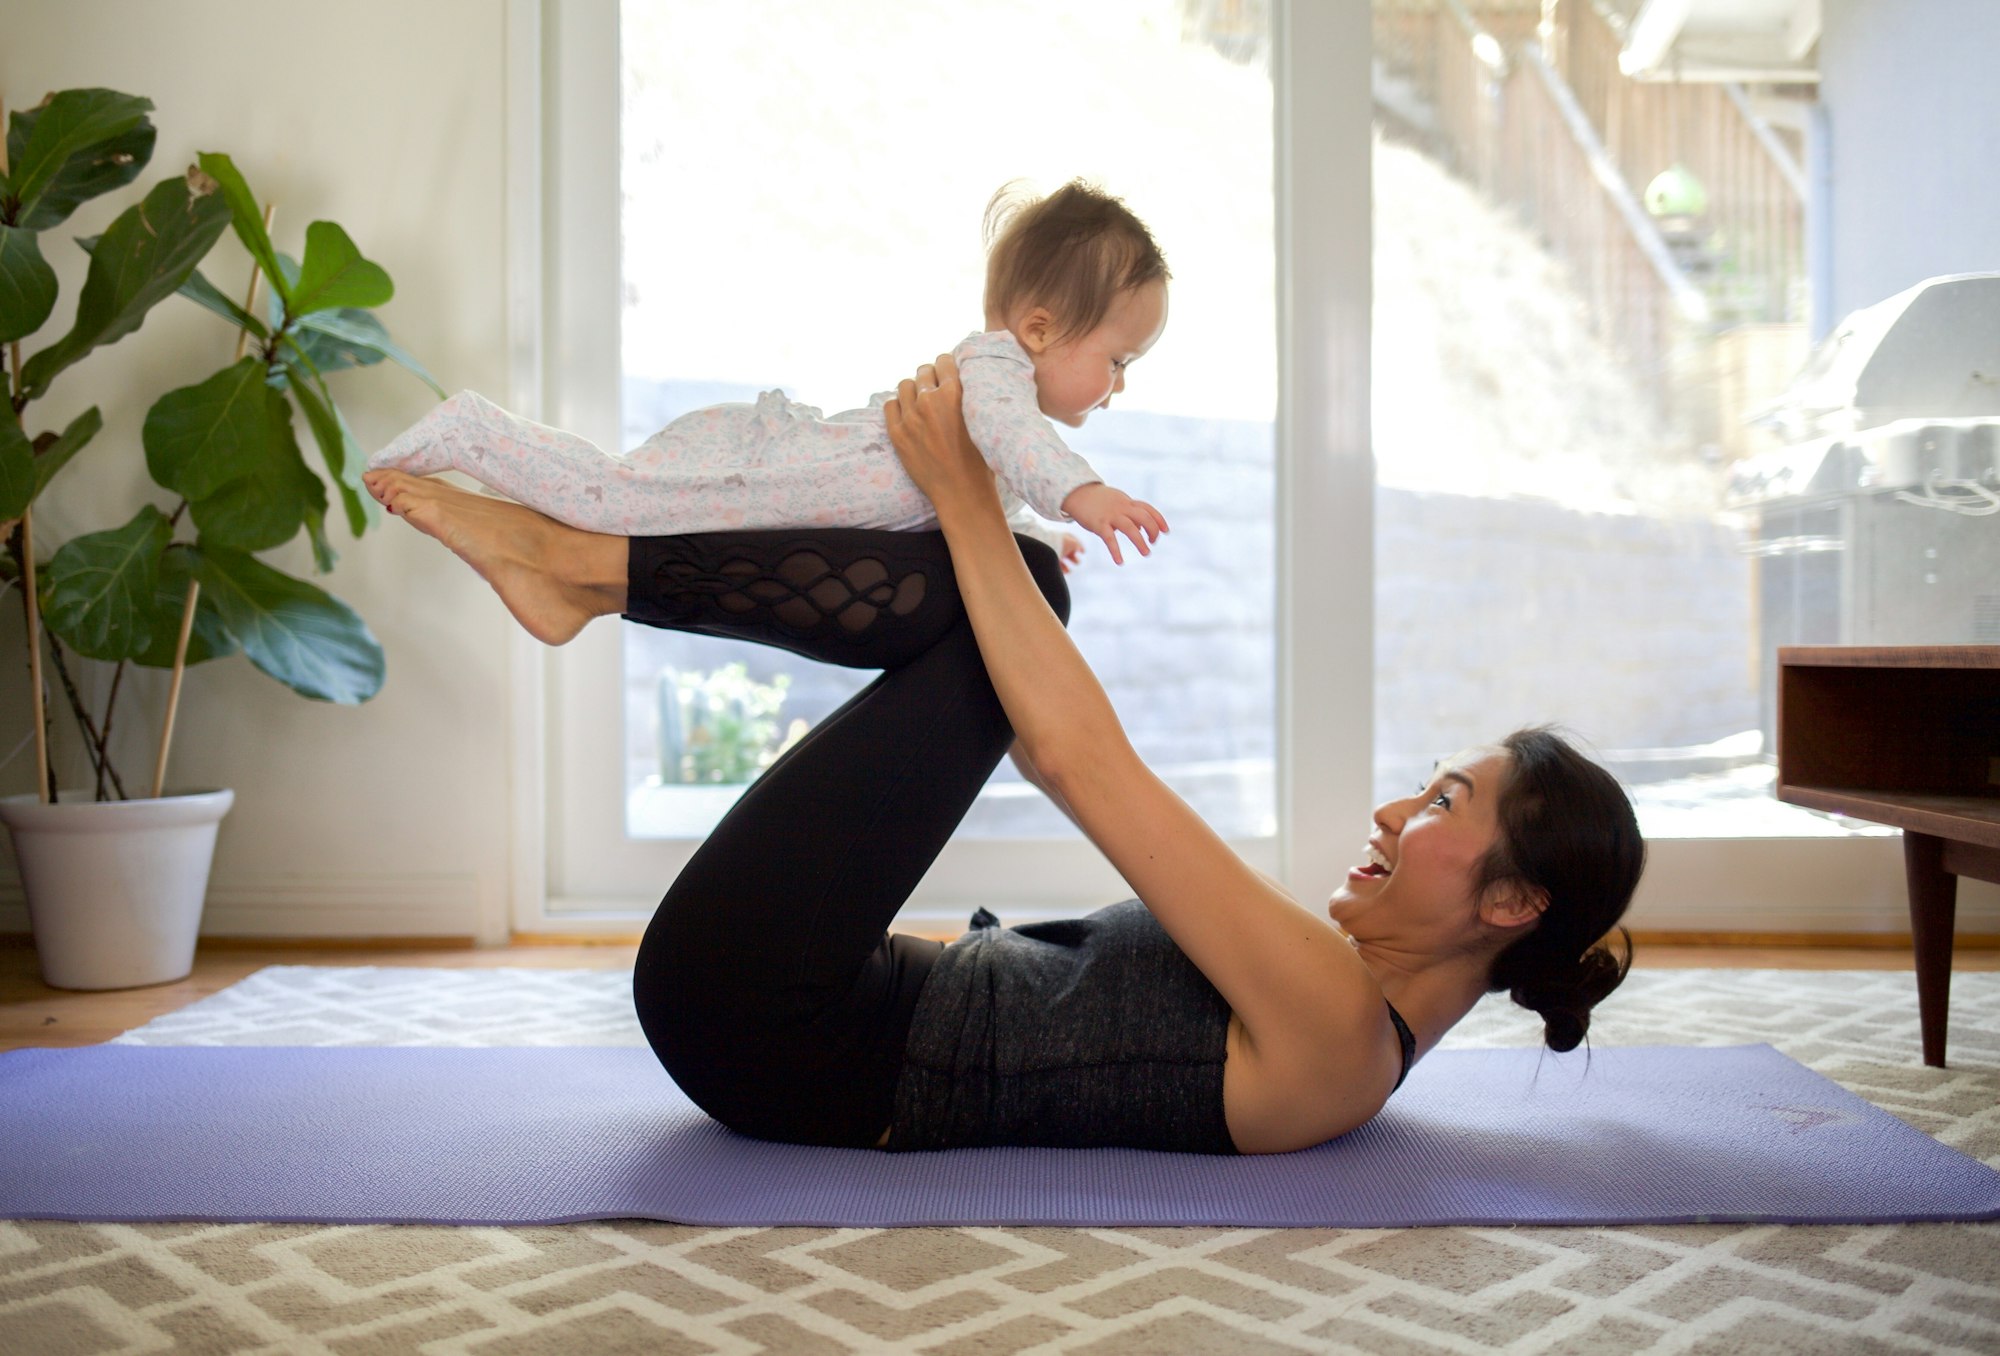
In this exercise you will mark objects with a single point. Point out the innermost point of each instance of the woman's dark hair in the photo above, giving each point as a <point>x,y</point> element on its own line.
<point>1567,830</point>
<point>1072,252</point>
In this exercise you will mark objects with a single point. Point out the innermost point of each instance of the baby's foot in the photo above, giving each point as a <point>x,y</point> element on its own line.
<point>421,449</point>
<point>553,578</point>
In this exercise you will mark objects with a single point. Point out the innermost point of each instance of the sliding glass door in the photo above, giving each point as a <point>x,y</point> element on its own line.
<point>801,192</point>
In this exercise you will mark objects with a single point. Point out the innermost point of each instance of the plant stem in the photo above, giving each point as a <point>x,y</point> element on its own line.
<point>104,731</point>
<point>21,545</point>
<point>91,743</point>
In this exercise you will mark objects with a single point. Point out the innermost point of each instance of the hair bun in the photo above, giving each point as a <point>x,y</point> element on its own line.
<point>1563,993</point>
<point>1564,1011</point>
<point>1564,1030</point>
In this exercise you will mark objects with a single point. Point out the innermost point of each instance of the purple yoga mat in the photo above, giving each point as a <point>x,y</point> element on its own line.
<point>534,1136</point>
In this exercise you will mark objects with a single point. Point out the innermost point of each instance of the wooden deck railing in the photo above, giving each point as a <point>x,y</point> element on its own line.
<point>1552,167</point>
<point>1756,191</point>
<point>1563,136</point>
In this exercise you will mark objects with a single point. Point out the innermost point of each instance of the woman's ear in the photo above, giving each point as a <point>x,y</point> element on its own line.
<point>1513,904</point>
<point>1036,330</point>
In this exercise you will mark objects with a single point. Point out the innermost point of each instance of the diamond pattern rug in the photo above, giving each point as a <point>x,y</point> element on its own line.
<point>634,1286</point>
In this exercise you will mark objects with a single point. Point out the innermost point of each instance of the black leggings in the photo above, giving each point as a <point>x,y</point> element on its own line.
<point>767,983</point>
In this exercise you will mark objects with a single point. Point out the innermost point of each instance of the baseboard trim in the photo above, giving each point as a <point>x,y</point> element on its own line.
<point>1825,941</point>
<point>394,910</point>
<point>356,944</point>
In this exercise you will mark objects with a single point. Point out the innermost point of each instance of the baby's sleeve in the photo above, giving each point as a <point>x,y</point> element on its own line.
<point>1010,429</point>
<point>1023,521</point>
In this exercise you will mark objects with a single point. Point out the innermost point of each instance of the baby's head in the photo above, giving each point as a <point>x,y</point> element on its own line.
<point>1078,280</point>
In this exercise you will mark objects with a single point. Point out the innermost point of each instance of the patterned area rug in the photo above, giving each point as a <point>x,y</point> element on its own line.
<point>636,1286</point>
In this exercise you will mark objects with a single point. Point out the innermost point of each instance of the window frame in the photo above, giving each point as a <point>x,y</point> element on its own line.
<point>571,876</point>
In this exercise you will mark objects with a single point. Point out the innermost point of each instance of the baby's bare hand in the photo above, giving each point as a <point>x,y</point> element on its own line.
<point>1108,512</point>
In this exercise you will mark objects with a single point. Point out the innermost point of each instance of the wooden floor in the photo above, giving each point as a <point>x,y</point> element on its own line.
<point>32,1013</point>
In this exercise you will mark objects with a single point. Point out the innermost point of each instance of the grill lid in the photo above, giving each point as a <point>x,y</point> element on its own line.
<point>1903,395</point>
<point>1931,352</point>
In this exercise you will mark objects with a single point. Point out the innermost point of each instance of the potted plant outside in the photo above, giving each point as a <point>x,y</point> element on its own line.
<point>115,876</point>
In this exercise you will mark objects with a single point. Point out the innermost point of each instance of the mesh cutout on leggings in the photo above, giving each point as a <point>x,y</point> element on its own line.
<point>804,589</point>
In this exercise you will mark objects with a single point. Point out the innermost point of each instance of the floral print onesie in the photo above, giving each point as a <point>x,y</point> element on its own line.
<point>773,463</point>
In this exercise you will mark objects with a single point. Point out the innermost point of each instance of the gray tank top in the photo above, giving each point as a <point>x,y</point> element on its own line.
<point>1086,1032</point>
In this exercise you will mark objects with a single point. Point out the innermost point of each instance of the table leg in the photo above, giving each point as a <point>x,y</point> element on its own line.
<point>1933,910</point>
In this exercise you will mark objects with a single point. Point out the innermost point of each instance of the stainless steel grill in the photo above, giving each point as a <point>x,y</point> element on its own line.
<point>1879,521</point>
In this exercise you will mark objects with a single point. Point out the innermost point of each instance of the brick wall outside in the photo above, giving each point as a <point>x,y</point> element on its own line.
<point>1635,632</point>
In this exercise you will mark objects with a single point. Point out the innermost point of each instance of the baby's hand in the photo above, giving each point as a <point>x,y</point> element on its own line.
<point>1107,512</point>
<point>1071,550</point>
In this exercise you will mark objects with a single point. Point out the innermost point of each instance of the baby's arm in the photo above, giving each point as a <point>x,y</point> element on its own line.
<point>1007,425</point>
<point>1010,430</point>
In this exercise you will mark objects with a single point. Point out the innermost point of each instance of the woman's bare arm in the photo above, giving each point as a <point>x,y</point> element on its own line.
<point>1033,776</point>
<point>1298,991</point>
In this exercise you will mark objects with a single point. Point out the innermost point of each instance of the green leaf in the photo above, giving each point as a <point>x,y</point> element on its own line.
<point>360,332</point>
<point>146,255</point>
<point>205,293</point>
<point>344,458</point>
<point>274,298</point>
<point>247,217</point>
<point>227,446</point>
<point>101,587</point>
<point>324,556</point>
<point>210,639</point>
<point>334,274</point>
<point>27,284</point>
<point>199,438</point>
<point>81,143</point>
<point>325,354</point>
<point>265,508</point>
<point>17,470</point>
<point>300,635</point>
<point>52,452</point>
<point>26,467</point>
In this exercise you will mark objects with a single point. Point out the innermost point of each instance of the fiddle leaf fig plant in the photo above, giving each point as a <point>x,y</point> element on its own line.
<point>223,448</point>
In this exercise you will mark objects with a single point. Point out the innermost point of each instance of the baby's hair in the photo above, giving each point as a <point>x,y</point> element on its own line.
<point>1072,252</point>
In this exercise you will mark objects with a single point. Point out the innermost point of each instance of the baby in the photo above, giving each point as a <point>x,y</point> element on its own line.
<point>1076,291</point>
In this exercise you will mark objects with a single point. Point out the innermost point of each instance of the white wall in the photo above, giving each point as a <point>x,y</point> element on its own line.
<point>386,116</point>
<point>1912,105</point>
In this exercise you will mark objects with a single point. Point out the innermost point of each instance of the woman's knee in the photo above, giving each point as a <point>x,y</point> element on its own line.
<point>1046,566</point>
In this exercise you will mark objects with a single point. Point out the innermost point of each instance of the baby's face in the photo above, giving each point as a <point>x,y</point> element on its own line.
<point>1080,373</point>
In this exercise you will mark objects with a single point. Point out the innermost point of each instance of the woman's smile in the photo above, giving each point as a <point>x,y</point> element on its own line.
<point>1375,866</point>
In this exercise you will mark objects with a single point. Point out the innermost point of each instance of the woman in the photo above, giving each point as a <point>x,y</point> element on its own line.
<point>1217,1016</point>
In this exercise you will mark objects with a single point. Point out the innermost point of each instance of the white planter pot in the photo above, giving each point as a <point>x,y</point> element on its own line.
<point>115,888</point>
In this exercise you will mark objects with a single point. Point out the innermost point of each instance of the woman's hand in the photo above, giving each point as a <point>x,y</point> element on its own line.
<point>928,430</point>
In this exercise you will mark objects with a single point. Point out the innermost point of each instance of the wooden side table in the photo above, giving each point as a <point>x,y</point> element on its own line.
<point>1907,735</point>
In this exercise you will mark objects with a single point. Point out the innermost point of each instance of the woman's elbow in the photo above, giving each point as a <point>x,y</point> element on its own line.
<point>1086,772</point>
<point>1045,767</point>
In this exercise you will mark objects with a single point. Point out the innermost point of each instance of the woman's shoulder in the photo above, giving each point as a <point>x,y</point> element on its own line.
<point>1278,1099</point>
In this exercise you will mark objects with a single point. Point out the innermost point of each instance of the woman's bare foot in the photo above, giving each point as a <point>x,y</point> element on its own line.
<point>553,578</point>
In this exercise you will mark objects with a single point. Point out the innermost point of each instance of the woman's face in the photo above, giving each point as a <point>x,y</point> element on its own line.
<point>1416,877</point>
